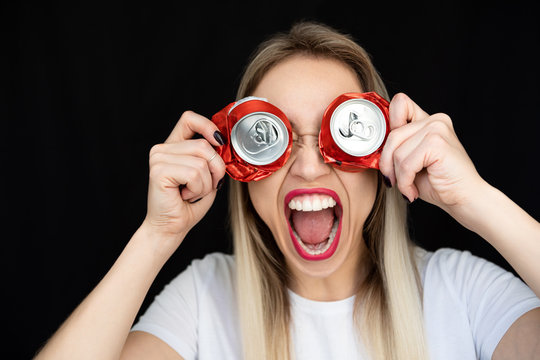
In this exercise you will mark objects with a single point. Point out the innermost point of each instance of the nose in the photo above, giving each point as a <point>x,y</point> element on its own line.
<point>308,162</point>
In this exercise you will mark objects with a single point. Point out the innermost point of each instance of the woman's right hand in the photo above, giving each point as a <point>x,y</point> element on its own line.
<point>185,174</point>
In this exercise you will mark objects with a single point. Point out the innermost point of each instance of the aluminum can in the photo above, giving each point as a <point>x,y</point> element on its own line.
<point>353,131</point>
<point>358,127</point>
<point>259,138</point>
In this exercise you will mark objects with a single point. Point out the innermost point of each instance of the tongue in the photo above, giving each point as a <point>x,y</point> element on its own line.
<point>313,227</point>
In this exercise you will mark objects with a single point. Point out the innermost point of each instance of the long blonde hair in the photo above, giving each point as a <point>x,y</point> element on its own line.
<point>389,298</point>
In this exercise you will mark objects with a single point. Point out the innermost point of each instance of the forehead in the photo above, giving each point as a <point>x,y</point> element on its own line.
<point>303,86</point>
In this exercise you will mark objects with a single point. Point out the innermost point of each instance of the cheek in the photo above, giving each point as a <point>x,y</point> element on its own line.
<point>263,195</point>
<point>362,193</point>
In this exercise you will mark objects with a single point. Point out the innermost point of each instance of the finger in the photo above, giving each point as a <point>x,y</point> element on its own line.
<point>195,147</point>
<point>403,110</point>
<point>191,123</point>
<point>437,123</point>
<point>394,140</point>
<point>189,161</point>
<point>202,176</point>
<point>166,176</point>
<point>414,159</point>
<point>190,171</point>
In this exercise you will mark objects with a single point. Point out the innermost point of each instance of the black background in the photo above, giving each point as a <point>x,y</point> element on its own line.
<point>86,90</point>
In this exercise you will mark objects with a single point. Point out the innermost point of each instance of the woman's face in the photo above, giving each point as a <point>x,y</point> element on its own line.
<point>317,242</point>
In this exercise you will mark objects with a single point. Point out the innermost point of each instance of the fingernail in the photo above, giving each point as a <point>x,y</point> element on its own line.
<point>194,201</point>
<point>406,199</point>
<point>219,137</point>
<point>387,181</point>
<point>220,183</point>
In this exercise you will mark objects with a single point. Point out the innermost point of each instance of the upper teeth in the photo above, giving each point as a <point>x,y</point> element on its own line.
<point>311,202</point>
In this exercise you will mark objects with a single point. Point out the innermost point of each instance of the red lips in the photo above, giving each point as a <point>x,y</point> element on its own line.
<point>333,246</point>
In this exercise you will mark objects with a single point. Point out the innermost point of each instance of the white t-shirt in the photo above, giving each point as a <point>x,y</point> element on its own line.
<point>469,304</point>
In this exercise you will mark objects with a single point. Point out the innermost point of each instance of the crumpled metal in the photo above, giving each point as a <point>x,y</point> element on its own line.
<point>236,167</point>
<point>331,152</point>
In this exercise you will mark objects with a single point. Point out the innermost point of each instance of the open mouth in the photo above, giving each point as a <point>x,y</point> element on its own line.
<point>314,220</point>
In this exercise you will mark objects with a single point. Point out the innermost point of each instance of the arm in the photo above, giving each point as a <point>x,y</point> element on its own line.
<point>516,235</point>
<point>521,339</point>
<point>99,326</point>
<point>424,159</point>
<point>509,229</point>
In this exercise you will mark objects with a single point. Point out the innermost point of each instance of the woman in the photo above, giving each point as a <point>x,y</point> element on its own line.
<point>375,295</point>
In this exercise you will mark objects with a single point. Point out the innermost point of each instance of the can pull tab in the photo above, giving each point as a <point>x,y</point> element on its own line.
<point>264,133</point>
<point>357,127</point>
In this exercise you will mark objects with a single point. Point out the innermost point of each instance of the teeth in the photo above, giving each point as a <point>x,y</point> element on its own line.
<point>292,205</point>
<point>311,202</point>
<point>325,203</point>
<point>316,204</point>
<point>321,247</point>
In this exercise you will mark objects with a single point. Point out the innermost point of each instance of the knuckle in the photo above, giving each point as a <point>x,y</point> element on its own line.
<point>158,158</point>
<point>437,126</point>
<point>400,96</point>
<point>157,170</point>
<point>220,167</point>
<point>435,140</point>
<point>155,149</point>
<point>207,146</point>
<point>192,174</point>
<point>384,162</point>
<point>399,156</point>
<point>391,139</point>
<point>404,167</point>
<point>186,114</point>
<point>200,164</point>
<point>444,118</point>
<point>201,143</point>
<point>221,172</point>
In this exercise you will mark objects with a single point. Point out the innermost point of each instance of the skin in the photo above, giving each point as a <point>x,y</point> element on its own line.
<point>302,87</point>
<point>422,157</point>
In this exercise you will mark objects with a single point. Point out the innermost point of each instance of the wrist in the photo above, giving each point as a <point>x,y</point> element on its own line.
<point>472,211</point>
<point>156,243</point>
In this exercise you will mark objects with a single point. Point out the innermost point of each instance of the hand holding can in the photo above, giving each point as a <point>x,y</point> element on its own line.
<point>184,176</point>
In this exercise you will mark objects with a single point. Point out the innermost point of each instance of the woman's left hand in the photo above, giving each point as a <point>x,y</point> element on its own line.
<point>425,159</point>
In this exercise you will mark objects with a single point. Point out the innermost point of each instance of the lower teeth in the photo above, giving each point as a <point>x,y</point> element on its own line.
<point>321,247</point>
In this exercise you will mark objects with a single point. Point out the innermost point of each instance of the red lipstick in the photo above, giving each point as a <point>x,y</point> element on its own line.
<point>296,241</point>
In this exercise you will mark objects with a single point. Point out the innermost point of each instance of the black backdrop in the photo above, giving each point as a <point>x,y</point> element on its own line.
<point>87,90</point>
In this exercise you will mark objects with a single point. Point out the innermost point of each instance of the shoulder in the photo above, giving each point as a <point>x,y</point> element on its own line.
<point>458,273</point>
<point>214,273</point>
<point>196,309</point>
<point>214,262</point>
<point>470,279</point>
<point>212,268</point>
<point>460,265</point>
<point>451,263</point>
<point>470,295</point>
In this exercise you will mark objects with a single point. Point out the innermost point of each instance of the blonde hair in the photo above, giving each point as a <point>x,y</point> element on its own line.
<point>389,301</point>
